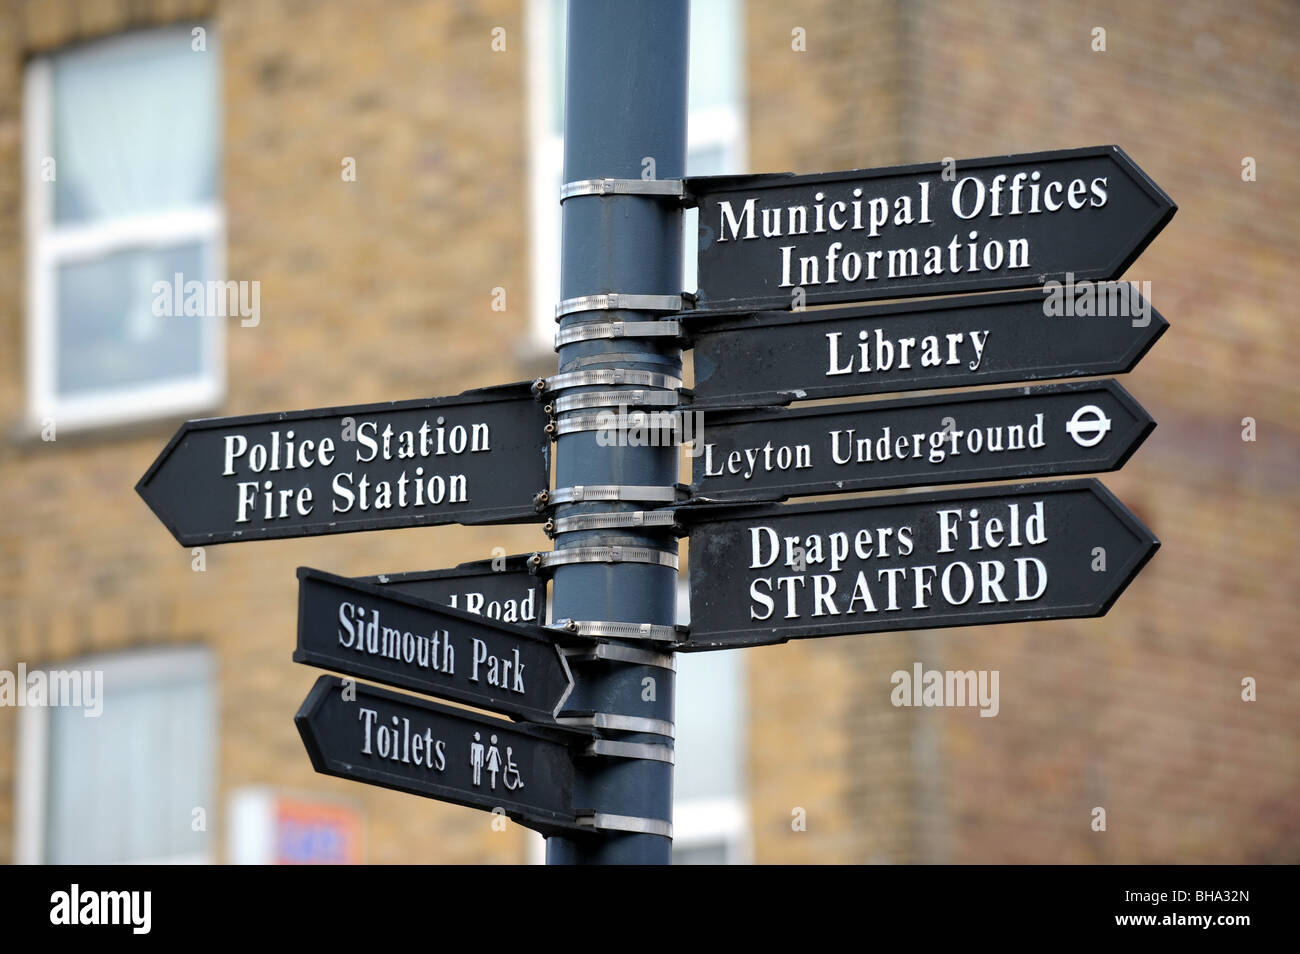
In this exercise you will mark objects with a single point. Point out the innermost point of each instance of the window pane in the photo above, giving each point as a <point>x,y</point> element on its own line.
<point>559,45</point>
<point>135,127</point>
<point>708,161</point>
<point>123,786</point>
<point>710,757</point>
<point>705,853</point>
<point>108,335</point>
<point>709,716</point>
<point>715,46</point>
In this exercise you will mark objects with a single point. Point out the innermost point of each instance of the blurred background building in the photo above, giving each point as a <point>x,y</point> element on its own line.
<point>387,173</point>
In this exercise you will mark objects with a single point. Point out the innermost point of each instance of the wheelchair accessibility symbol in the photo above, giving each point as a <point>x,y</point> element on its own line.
<point>1088,426</point>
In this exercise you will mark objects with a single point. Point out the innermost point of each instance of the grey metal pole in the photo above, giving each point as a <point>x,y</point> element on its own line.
<point>625,92</point>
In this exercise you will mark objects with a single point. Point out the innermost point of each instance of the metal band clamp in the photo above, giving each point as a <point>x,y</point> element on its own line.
<point>665,188</point>
<point>613,630</point>
<point>669,422</point>
<point>617,302</point>
<point>609,493</point>
<point>547,559</point>
<point>633,398</point>
<point>609,521</point>
<point>606,376</point>
<point>596,330</point>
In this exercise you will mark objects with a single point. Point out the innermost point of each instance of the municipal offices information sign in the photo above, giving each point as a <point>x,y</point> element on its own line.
<point>969,225</point>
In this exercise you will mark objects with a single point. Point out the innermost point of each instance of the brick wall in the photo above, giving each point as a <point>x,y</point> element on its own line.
<point>1139,712</point>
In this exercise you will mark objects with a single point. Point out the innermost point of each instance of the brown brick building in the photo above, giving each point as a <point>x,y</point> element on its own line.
<point>385,172</point>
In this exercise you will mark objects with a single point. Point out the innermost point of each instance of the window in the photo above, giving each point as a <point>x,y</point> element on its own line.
<point>715,131</point>
<point>134,783</point>
<point>710,811</point>
<point>121,181</point>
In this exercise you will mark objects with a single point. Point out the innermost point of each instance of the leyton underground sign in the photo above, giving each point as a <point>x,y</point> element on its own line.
<point>1003,434</point>
<point>476,457</point>
<point>928,229</point>
<point>769,573</point>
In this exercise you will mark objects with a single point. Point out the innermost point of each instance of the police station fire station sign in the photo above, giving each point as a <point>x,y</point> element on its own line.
<point>476,457</point>
<point>773,241</point>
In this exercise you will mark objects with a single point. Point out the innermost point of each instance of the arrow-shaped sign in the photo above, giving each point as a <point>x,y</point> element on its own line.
<point>1071,330</point>
<point>779,241</point>
<point>375,632</point>
<point>766,574</point>
<point>1007,433</point>
<point>355,731</point>
<point>477,457</point>
<point>502,588</point>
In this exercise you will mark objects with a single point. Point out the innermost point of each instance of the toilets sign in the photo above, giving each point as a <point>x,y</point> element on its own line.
<point>779,241</point>
<point>525,772</point>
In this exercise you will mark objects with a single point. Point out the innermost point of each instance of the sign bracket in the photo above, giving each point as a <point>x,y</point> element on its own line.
<point>618,653</point>
<point>643,826</point>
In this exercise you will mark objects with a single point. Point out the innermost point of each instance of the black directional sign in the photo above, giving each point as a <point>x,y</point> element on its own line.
<point>375,632</point>
<point>931,229</point>
<point>1007,433</point>
<point>358,732</point>
<point>1068,330</point>
<point>502,588</point>
<point>477,457</point>
<point>769,573</point>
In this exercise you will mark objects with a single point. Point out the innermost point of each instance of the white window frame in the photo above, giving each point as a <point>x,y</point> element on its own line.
<point>49,246</point>
<point>31,780</point>
<point>719,127</point>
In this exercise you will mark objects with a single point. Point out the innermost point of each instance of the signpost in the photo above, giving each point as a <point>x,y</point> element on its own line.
<point>355,731</point>
<point>1061,226</point>
<point>766,574</point>
<point>477,457</point>
<point>374,632</point>
<point>1050,430</point>
<point>1076,330</point>
<point>501,588</point>
<point>773,241</point>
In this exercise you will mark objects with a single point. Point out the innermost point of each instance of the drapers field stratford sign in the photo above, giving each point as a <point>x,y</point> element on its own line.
<point>1075,329</point>
<point>358,732</point>
<point>932,229</point>
<point>375,632</point>
<point>477,457</point>
<point>766,574</point>
<point>1002,434</point>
